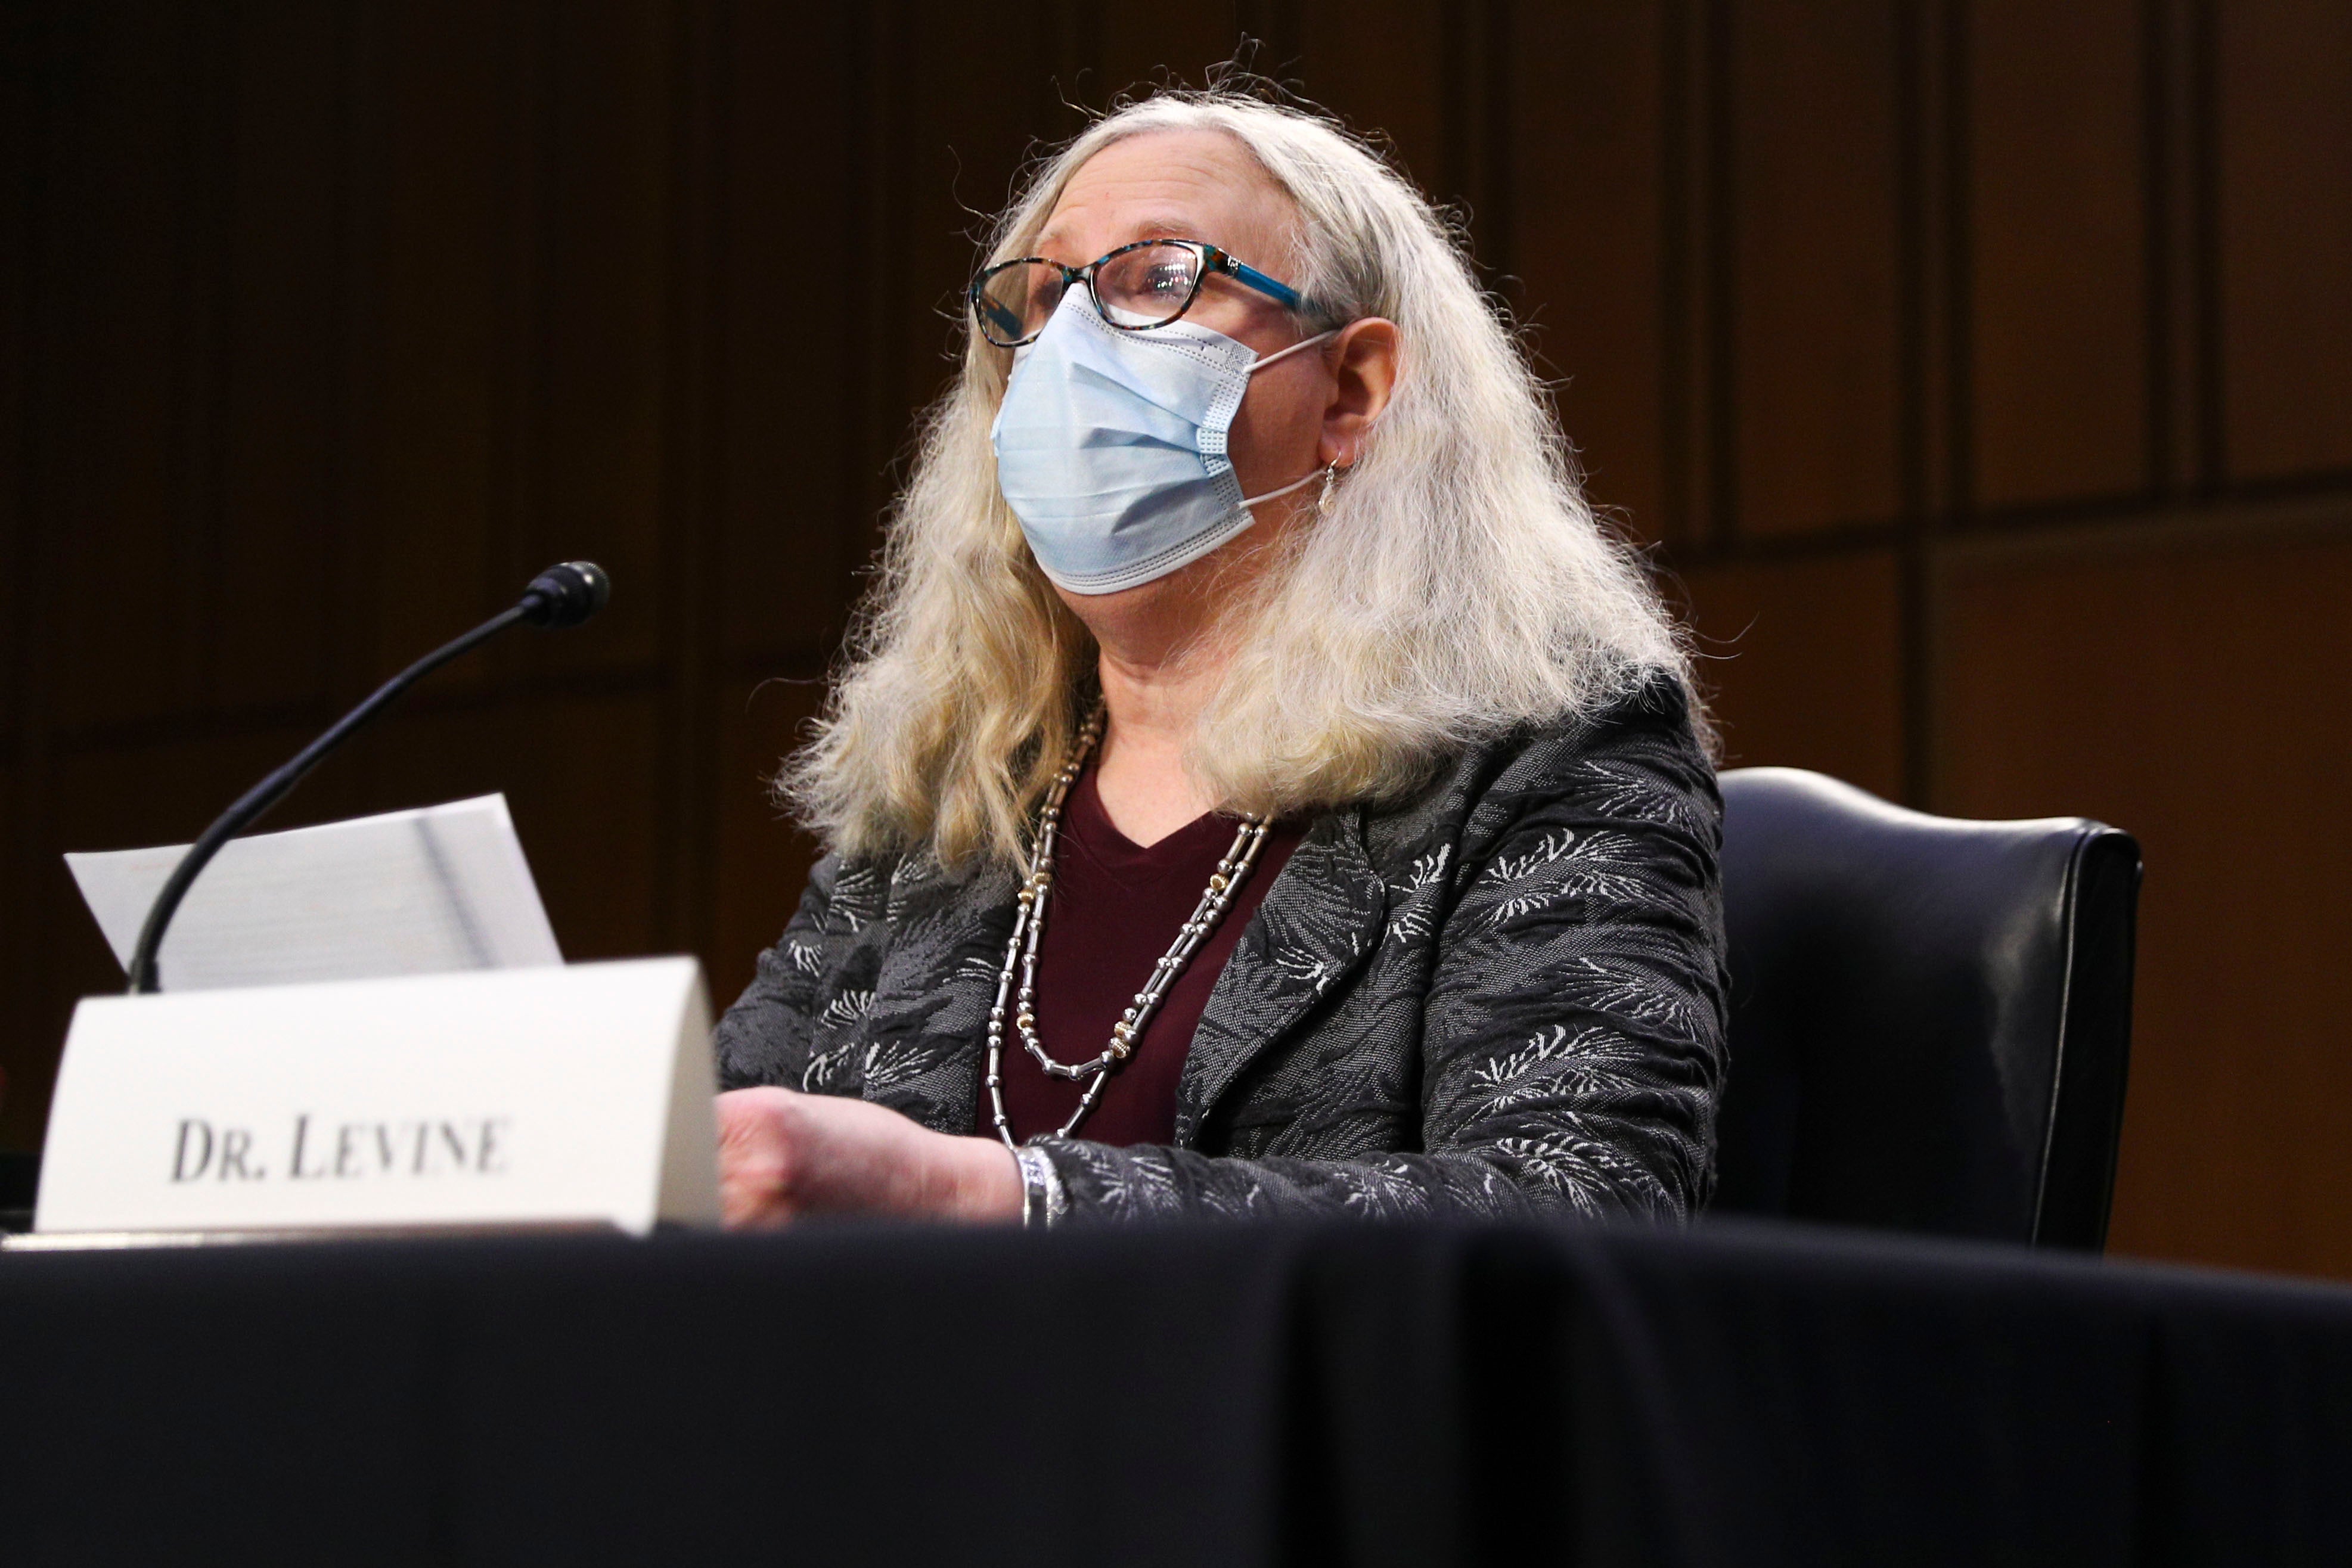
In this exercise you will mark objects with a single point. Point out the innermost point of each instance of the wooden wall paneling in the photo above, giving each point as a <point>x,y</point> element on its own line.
<point>2057,135</point>
<point>21,124</point>
<point>1801,659</point>
<point>443,321</point>
<point>1481,143</point>
<point>880,226</point>
<point>350,517</point>
<point>1694,266</point>
<point>789,359</point>
<point>19,1060</point>
<point>1588,197</point>
<point>126,291</point>
<point>21,233</point>
<point>1381,67</point>
<point>1812,143</point>
<point>592,460</point>
<point>1933,417</point>
<point>26,83</point>
<point>1934,286</point>
<point>2174,688</point>
<point>2285,70</point>
<point>1140,46</point>
<point>785,446</point>
<point>693,594</point>
<point>268,577</point>
<point>2184,316</point>
<point>762,858</point>
<point>973,99</point>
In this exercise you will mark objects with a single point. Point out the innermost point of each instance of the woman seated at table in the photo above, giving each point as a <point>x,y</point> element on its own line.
<point>1260,789</point>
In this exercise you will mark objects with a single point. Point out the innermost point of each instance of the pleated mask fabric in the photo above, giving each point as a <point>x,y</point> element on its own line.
<point>1111,446</point>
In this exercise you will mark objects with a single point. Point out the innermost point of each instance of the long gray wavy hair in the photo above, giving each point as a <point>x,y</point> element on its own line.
<point>1454,584</point>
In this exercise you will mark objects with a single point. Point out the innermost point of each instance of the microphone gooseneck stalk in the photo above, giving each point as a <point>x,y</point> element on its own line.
<point>559,597</point>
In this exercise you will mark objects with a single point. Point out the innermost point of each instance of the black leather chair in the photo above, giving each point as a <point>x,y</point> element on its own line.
<point>1930,1018</point>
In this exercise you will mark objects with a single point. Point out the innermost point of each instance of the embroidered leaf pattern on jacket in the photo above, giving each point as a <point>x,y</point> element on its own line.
<point>1629,792</point>
<point>887,1065</point>
<point>1504,995</point>
<point>1605,866</point>
<point>819,1076</point>
<point>847,1007</point>
<point>1592,1061</point>
<point>1416,898</point>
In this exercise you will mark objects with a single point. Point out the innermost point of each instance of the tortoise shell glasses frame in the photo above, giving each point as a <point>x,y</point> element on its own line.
<point>1011,309</point>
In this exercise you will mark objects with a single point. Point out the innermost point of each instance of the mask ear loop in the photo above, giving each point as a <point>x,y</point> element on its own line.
<point>1330,474</point>
<point>1281,354</point>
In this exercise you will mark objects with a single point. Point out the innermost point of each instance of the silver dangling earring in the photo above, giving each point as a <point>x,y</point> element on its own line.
<point>1330,481</point>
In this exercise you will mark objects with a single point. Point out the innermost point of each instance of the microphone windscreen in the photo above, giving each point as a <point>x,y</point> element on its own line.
<point>566,595</point>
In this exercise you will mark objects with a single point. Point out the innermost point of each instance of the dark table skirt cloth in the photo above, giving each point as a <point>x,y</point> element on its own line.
<point>1741,1394</point>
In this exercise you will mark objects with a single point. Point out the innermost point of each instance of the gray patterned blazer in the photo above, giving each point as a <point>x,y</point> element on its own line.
<point>1504,997</point>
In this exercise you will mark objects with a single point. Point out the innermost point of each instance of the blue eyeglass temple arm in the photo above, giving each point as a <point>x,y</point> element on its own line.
<point>1271,287</point>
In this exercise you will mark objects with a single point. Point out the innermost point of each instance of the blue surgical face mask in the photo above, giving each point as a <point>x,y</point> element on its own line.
<point>1111,446</point>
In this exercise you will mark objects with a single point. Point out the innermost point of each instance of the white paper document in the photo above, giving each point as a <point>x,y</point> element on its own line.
<point>409,892</point>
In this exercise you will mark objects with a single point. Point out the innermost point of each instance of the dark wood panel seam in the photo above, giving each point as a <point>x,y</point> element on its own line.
<point>31,641</point>
<point>1918,137</point>
<point>2184,317</point>
<point>520,693</point>
<point>1814,544</point>
<point>352,474</point>
<point>868,293</point>
<point>2254,509</point>
<point>2205,194</point>
<point>1677,381</point>
<point>203,334</point>
<point>886,222</point>
<point>1475,116</point>
<point>1719,245</point>
<point>32,82</point>
<point>2160,109</point>
<point>2240,521</point>
<point>693,440</point>
<point>2041,515</point>
<point>1499,180</point>
<point>524,352</point>
<point>1959,271</point>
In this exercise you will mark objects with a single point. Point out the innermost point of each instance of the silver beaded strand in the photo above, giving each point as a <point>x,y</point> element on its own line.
<point>1029,928</point>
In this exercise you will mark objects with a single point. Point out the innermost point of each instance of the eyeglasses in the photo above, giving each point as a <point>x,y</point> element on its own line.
<point>1136,288</point>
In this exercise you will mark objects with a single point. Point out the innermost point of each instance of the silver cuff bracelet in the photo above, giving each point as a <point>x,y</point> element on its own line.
<point>1043,1204</point>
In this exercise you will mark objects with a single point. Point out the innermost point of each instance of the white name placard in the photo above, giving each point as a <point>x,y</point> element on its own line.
<point>557,1095</point>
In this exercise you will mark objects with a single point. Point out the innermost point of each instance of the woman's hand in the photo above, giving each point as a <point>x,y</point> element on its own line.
<point>782,1154</point>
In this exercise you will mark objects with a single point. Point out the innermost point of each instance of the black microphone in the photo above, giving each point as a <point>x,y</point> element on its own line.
<point>558,597</point>
<point>565,595</point>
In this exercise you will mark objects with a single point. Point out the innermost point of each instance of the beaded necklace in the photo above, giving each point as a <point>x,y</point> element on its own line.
<point>1029,926</point>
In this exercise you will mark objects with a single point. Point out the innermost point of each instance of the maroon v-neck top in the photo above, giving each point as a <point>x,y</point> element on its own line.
<point>1115,909</point>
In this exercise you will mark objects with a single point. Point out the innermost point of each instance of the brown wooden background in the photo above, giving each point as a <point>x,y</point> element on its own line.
<point>1982,372</point>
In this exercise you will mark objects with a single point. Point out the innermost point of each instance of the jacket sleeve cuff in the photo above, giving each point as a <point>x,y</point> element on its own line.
<point>1044,1205</point>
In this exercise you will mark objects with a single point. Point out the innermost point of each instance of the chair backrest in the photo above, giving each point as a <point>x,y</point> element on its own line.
<point>1930,1018</point>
